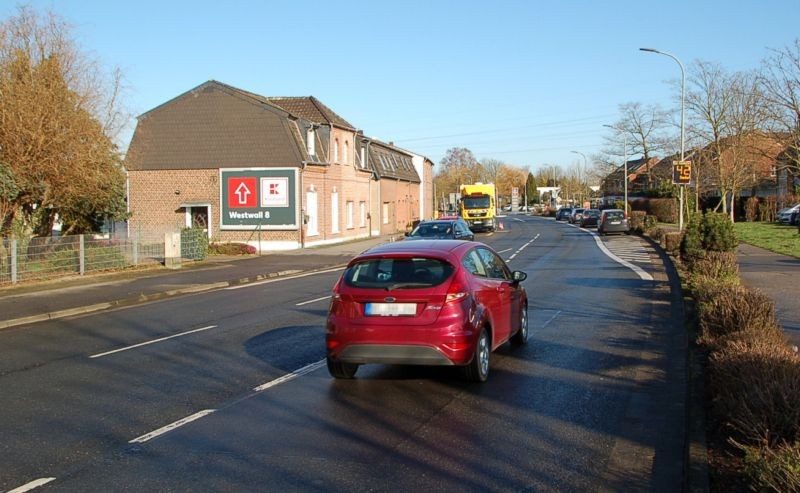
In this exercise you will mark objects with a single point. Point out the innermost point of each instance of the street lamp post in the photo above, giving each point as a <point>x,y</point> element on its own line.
<point>580,172</point>
<point>683,93</point>
<point>624,162</point>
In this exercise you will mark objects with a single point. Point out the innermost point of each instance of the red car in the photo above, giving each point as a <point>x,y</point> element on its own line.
<point>425,302</point>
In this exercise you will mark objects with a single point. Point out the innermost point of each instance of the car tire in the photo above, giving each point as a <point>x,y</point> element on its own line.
<point>521,337</point>
<point>478,369</point>
<point>341,370</point>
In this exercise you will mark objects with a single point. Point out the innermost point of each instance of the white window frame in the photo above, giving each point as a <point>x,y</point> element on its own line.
<point>334,212</point>
<point>350,211</point>
<point>346,151</point>
<point>312,209</point>
<point>311,146</point>
<point>363,157</point>
<point>362,213</point>
<point>335,150</point>
<point>385,219</point>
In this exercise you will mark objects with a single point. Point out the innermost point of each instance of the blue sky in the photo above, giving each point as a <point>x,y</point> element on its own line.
<point>525,82</point>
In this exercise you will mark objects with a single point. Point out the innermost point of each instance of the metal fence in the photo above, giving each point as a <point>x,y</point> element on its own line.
<point>31,259</point>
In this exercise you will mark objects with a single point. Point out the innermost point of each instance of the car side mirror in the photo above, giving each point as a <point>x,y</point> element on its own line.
<point>518,276</point>
<point>457,234</point>
<point>408,233</point>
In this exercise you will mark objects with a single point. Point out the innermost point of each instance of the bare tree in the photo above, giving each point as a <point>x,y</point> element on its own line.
<point>780,85</point>
<point>727,116</point>
<point>491,169</point>
<point>58,119</point>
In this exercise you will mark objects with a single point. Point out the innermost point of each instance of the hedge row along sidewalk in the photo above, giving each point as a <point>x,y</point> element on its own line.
<point>753,374</point>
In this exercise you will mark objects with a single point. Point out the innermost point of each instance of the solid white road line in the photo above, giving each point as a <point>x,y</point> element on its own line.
<point>635,268</point>
<point>152,342</point>
<point>279,279</point>
<point>291,376</point>
<point>504,251</point>
<point>170,427</point>
<point>558,312</point>
<point>31,485</point>
<point>312,301</point>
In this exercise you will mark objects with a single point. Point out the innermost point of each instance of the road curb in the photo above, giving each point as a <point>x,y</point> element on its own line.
<point>148,298</point>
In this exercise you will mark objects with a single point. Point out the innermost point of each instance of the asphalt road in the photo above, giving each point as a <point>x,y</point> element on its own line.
<point>594,402</point>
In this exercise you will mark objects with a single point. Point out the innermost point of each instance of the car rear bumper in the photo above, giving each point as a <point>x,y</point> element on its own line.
<point>406,354</point>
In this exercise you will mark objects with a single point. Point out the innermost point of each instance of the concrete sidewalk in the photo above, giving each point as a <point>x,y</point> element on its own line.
<point>778,277</point>
<point>35,302</point>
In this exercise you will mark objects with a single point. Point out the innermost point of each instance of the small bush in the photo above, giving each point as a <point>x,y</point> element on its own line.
<point>656,233</point>
<point>718,234</point>
<point>717,265</point>
<point>772,469</point>
<point>231,249</point>
<point>672,242</point>
<point>194,243</point>
<point>756,384</point>
<point>636,221</point>
<point>692,241</point>
<point>726,310</point>
<point>665,210</point>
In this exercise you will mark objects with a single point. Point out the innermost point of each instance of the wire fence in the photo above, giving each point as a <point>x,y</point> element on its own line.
<point>39,258</point>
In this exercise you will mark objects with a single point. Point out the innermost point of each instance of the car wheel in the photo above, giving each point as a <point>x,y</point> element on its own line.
<point>478,369</point>
<point>521,337</point>
<point>338,369</point>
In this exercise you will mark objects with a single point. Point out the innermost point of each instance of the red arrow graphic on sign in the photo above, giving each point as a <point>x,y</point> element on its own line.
<point>242,191</point>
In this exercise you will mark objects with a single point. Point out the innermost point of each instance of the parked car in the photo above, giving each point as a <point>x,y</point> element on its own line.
<point>613,221</point>
<point>447,228</point>
<point>426,302</point>
<point>575,217</point>
<point>563,213</point>
<point>789,215</point>
<point>589,217</point>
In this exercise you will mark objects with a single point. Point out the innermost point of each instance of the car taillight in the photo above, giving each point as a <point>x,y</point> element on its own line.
<point>457,290</point>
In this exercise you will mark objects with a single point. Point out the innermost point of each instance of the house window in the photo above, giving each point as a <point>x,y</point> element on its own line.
<point>335,212</point>
<point>312,227</point>
<point>363,157</point>
<point>310,146</point>
<point>773,171</point>
<point>385,218</point>
<point>350,212</point>
<point>346,152</point>
<point>336,151</point>
<point>362,214</point>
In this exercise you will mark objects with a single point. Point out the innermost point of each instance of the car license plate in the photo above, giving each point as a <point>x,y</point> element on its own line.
<point>391,309</point>
<point>615,222</point>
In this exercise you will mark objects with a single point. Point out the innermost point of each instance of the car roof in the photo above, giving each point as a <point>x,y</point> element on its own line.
<point>442,218</point>
<point>432,248</point>
<point>613,210</point>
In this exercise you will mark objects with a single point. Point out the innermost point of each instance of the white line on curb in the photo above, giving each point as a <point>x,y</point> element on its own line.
<point>635,268</point>
<point>279,279</point>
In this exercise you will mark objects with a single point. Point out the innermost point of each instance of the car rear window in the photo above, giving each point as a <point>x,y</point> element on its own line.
<point>398,273</point>
<point>614,216</point>
<point>433,230</point>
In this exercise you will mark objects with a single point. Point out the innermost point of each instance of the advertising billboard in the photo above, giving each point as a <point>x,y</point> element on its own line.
<point>259,198</point>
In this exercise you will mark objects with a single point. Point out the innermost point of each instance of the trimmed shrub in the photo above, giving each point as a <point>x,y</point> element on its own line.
<point>636,221</point>
<point>756,384</point>
<point>692,241</point>
<point>672,242</point>
<point>772,469</point>
<point>231,249</point>
<point>656,233</point>
<point>665,210</point>
<point>725,309</point>
<point>718,234</point>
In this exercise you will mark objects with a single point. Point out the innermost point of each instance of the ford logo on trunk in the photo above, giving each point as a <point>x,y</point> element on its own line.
<point>390,299</point>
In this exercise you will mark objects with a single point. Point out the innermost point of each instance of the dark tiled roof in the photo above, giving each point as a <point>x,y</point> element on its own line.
<point>389,162</point>
<point>311,109</point>
<point>214,126</point>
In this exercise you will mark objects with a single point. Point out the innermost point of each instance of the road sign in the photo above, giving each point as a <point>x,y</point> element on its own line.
<point>258,198</point>
<point>681,172</point>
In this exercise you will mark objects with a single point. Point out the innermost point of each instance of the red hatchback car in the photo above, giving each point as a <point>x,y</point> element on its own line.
<point>425,302</point>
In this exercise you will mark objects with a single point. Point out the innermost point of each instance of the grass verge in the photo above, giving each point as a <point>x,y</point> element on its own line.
<point>774,237</point>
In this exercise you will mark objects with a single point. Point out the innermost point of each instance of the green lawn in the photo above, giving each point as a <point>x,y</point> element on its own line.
<point>770,236</point>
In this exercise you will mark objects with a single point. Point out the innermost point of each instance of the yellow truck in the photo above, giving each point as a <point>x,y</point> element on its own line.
<point>477,206</point>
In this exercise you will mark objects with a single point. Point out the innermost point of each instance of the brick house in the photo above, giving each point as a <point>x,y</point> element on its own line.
<point>279,173</point>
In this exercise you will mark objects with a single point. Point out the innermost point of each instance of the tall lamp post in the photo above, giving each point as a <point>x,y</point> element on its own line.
<point>580,173</point>
<point>624,161</point>
<point>683,92</point>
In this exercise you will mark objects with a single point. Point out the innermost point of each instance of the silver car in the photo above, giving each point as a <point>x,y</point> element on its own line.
<point>613,221</point>
<point>789,215</point>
